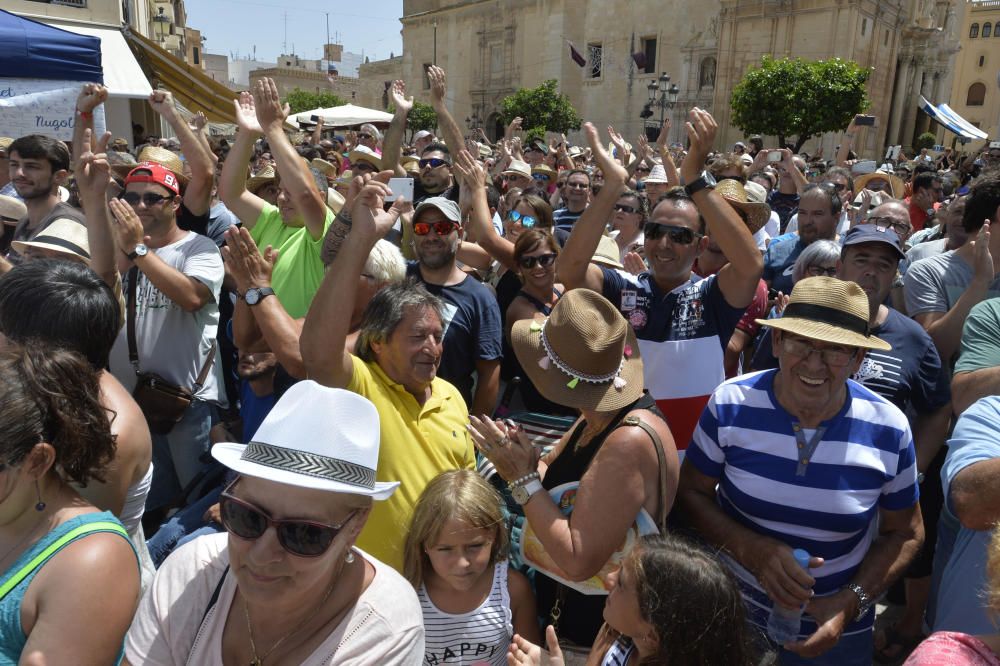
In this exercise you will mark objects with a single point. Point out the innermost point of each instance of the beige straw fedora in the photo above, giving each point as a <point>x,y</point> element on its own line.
<point>165,158</point>
<point>828,310</point>
<point>755,215</point>
<point>583,355</point>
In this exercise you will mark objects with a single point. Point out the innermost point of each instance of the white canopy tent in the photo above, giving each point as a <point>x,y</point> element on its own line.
<point>344,116</point>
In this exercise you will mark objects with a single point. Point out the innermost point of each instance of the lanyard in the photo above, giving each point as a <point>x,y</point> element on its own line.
<point>806,449</point>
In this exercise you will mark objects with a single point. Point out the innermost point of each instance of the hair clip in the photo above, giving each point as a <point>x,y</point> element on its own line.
<point>628,351</point>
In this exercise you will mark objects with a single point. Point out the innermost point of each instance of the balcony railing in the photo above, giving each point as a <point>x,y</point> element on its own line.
<point>70,3</point>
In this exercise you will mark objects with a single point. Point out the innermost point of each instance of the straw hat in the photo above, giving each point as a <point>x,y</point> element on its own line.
<point>607,253</point>
<point>324,167</point>
<point>12,210</point>
<point>896,185</point>
<point>755,214</point>
<point>314,437</point>
<point>165,158</point>
<point>365,154</point>
<point>345,177</point>
<point>261,178</point>
<point>828,310</point>
<point>334,200</point>
<point>410,163</point>
<point>63,235</point>
<point>518,168</point>
<point>5,142</point>
<point>544,169</point>
<point>656,175</point>
<point>583,355</point>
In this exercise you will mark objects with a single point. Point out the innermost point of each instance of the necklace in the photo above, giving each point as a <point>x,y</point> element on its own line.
<point>259,660</point>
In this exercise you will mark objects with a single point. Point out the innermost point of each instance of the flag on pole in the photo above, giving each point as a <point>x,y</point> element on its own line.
<point>576,55</point>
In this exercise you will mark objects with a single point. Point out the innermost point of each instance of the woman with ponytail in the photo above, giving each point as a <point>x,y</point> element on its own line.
<point>70,578</point>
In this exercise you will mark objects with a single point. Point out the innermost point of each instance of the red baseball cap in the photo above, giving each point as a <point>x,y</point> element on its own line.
<point>150,172</point>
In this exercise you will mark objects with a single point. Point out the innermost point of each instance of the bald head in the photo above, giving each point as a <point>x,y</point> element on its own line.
<point>892,213</point>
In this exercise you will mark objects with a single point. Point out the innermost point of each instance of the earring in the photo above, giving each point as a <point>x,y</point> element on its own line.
<point>41,505</point>
<point>349,558</point>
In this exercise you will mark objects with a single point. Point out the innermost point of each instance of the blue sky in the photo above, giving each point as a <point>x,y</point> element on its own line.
<point>234,27</point>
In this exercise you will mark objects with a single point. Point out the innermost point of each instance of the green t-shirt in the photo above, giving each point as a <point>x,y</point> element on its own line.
<point>299,270</point>
<point>981,337</point>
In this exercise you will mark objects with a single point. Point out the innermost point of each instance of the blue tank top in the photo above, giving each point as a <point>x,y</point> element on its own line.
<point>12,638</point>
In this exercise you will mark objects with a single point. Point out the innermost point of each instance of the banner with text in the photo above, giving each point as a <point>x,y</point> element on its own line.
<point>41,106</point>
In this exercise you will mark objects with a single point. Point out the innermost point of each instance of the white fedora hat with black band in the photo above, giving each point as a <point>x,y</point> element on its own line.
<point>315,437</point>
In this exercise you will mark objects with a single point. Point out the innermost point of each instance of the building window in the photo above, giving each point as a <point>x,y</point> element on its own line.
<point>974,31</point>
<point>649,50</point>
<point>864,26</point>
<point>496,61</point>
<point>976,95</point>
<point>595,60</point>
<point>986,30</point>
<point>427,79</point>
<point>196,55</point>
<point>885,40</point>
<point>982,60</point>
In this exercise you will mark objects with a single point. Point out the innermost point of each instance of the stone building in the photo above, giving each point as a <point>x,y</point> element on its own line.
<point>490,48</point>
<point>975,93</point>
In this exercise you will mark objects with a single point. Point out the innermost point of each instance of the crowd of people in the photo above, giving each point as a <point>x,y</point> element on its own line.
<point>354,397</point>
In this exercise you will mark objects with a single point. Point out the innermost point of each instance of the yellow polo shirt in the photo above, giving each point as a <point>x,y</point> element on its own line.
<point>418,442</point>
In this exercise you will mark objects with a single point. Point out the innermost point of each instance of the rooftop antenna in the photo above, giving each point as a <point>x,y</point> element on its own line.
<point>284,43</point>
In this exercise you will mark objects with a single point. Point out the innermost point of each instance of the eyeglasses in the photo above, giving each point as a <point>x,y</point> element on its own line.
<point>149,198</point>
<point>836,357</point>
<point>303,538</point>
<point>840,187</point>
<point>540,176</point>
<point>543,260</point>
<point>433,162</point>
<point>625,209</point>
<point>817,271</point>
<point>642,169</point>
<point>359,167</point>
<point>527,221</point>
<point>678,235</point>
<point>889,223</point>
<point>577,186</point>
<point>876,185</point>
<point>365,135</point>
<point>442,228</point>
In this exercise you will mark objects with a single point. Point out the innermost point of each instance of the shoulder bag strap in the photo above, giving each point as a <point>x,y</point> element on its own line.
<point>661,458</point>
<point>133,352</point>
<point>205,367</point>
<point>54,547</point>
<point>215,595</point>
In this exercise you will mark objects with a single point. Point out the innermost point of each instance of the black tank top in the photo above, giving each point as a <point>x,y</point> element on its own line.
<point>581,614</point>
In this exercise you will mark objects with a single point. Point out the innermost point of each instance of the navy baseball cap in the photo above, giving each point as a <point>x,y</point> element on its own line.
<point>869,233</point>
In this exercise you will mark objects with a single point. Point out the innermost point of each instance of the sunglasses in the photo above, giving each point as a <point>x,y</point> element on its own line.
<point>303,538</point>
<point>526,221</point>
<point>432,162</point>
<point>642,169</point>
<point>577,186</point>
<point>625,209</point>
<point>678,235</point>
<point>365,135</point>
<point>442,228</point>
<point>818,271</point>
<point>362,167</point>
<point>540,176</point>
<point>149,198</point>
<point>543,260</point>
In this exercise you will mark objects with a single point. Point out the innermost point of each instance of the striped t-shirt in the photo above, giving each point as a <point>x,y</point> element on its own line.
<point>827,505</point>
<point>477,638</point>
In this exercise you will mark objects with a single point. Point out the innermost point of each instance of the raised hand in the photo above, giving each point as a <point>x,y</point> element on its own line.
<point>246,114</point>
<point>661,139</point>
<point>367,213</point>
<point>621,152</point>
<point>198,122</point>
<point>128,227</point>
<point>163,103</point>
<point>512,127</point>
<point>614,173</point>
<point>982,260</point>
<point>91,96</point>
<point>439,85</point>
<point>701,129</point>
<point>642,150</point>
<point>523,652</point>
<point>397,93</point>
<point>92,172</point>
<point>249,267</point>
<point>634,263</point>
<point>271,113</point>
<point>470,171</point>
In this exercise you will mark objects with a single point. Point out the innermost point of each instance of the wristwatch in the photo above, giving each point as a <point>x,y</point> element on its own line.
<point>255,295</point>
<point>523,493</point>
<point>704,181</point>
<point>864,601</point>
<point>140,251</point>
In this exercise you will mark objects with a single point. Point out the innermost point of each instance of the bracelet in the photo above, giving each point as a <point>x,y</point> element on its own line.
<point>525,479</point>
<point>86,115</point>
<point>344,217</point>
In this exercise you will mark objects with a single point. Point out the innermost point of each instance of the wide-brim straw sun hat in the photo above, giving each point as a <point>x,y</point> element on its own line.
<point>583,355</point>
<point>607,253</point>
<point>63,235</point>
<point>165,158</point>
<point>261,178</point>
<point>828,310</point>
<point>314,437</point>
<point>896,185</point>
<point>755,215</point>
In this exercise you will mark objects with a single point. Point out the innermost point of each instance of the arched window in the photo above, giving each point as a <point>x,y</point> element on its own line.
<point>976,95</point>
<point>986,30</point>
<point>973,31</point>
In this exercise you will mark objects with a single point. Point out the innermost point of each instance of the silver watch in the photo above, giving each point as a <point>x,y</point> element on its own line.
<point>865,602</point>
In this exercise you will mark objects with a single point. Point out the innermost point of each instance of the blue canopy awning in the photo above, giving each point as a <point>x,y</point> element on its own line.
<point>953,122</point>
<point>32,50</point>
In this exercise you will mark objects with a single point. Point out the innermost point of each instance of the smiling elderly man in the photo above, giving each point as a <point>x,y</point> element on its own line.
<point>803,457</point>
<point>422,417</point>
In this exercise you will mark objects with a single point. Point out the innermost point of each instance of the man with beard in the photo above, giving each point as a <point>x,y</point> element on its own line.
<point>38,165</point>
<point>435,178</point>
<point>473,330</point>
<point>819,210</point>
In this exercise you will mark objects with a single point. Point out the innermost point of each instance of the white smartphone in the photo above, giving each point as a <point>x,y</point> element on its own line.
<point>774,156</point>
<point>401,187</point>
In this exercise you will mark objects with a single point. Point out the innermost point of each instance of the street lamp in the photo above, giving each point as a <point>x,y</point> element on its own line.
<point>434,60</point>
<point>162,25</point>
<point>662,95</point>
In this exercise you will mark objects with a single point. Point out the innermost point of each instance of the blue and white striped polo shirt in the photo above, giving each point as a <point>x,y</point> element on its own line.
<point>864,462</point>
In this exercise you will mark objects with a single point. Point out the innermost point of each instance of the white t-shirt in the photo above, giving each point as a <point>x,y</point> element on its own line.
<point>171,342</point>
<point>385,626</point>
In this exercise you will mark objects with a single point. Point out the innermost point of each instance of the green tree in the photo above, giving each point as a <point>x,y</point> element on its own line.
<point>303,100</point>
<point>541,109</point>
<point>422,117</point>
<point>799,97</point>
<point>925,140</point>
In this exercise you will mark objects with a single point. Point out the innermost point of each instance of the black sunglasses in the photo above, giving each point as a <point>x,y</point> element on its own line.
<point>678,235</point>
<point>543,260</point>
<point>149,198</point>
<point>433,162</point>
<point>303,538</point>
<point>365,135</point>
<point>625,209</point>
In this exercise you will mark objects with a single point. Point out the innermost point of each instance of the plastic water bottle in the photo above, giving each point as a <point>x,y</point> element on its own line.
<point>783,623</point>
